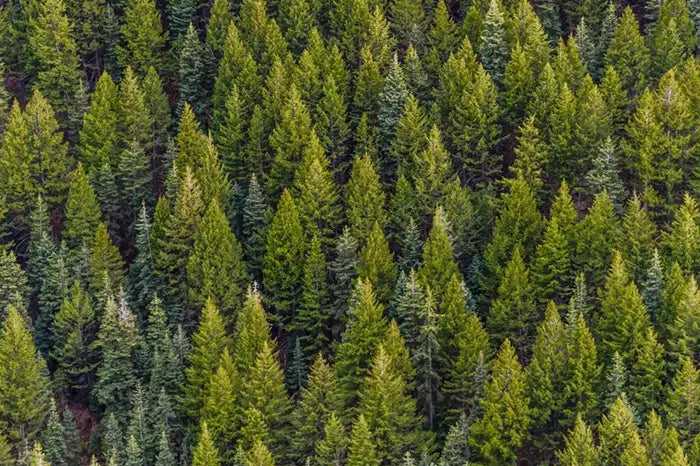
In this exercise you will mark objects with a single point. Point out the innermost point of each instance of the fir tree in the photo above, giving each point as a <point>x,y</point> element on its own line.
<point>344,270</point>
<point>579,448</point>
<point>646,373</point>
<point>98,136</point>
<point>376,264</point>
<point>682,401</point>
<point>639,239</point>
<point>494,46</point>
<point>391,102</point>
<point>604,175</point>
<point>365,329</point>
<point>682,242</point>
<point>283,261</point>
<point>506,418</point>
<point>332,448</point>
<point>364,198</point>
<point>82,211</point>
<point>141,284</point>
<point>205,453</point>
<point>106,265</point>
<point>332,127</point>
<point>215,268</point>
<point>427,361</point>
<point>627,53</point>
<point>313,318</point>
<point>23,383</point>
<point>13,287</point>
<point>252,332</point>
<point>362,451</point>
<point>144,39</point>
<point>190,71</point>
<point>620,442</point>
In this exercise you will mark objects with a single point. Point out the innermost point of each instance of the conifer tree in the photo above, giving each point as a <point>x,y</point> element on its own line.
<point>312,320</point>
<point>506,415</point>
<point>143,38</point>
<point>119,340</point>
<point>36,456</point>
<point>215,268</point>
<point>208,342</point>
<point>54,51</point>
<point>23,383</point>
<point>628,55</point>
<point>376,264</point>
<point>552,264</point>
<point>13,287</point>
<point>389,411</point>
<point>582,372</point>
<point>682,402</point>
<point>251,332</point>
<point>513,313</point>
<point>364,198</point>
<point>98,136</point>
<point>579,448</point>
<point>365,329</point>
<point>682,242</point>
<point>316,416</point>
<point>74,349</point>
<point>391,102</point>
<point>265,392</point>
<point>190,72</point>
<point>288,141</point>
<point>620,442</point>
<point>317,193</point>
<point>494,45</point>
<point>254,227</point>
<point>141,284</point>
<point>332,448</point>
<point>344,270</point>
<point>427,361</point>
<point>646,373</point>
<point>622,320</point>
<point>332,126</point>
<point>106,265</point>
<point>283,263</point>
<point>34,159</point>
<point>205,453</point>
<point>639,239</point>
<point>362,451</point>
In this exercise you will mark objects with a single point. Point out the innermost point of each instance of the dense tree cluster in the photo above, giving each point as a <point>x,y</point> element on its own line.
<point>349,232</point>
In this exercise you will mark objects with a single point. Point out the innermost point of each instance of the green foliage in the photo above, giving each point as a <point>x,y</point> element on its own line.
<point>144,38</point>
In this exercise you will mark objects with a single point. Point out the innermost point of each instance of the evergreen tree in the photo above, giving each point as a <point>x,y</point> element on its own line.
<point>362,451</point>
<point>13,287</point>
<point>376,264</point>
<point>682,402</point>
<point>190,71</point>
<point>252,332</point>
<point>208,342</point>
<point>143,36</point>
<point>494,45</point>
<point>215,268</point>
<point>365,329</point>
<point>620,442</point>
<point>106,265</point>
<point>254,227</point>
<point>283,261</point>
<point>205,453</point>
<point>579,448</point>
<point>646,373</point>
<point>141,284</point>
<point>344,270</point>
<point>98,136</point>
<point>54,51</point>
<point>82,211</point>
<point>119,340</point>
<point>53,437</point>
<point>23,383</point>
<point>332,126</point>
<point>427,361</point>
<point>627,54</point>
<point>364,198</point>
<point>506,418</point>
<point>682,242</point>
<point>332,448</point>
<point>604,175</point>
<point>311,322</point>
<point>391,102</point>
<point>74,348</point>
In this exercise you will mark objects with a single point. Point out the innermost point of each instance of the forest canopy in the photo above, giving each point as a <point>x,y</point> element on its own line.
<point>349,232</point>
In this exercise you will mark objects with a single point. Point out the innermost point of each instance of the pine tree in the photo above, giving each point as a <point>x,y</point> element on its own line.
<point>54,52</point>
<point>283,261</point>
<point>646,373</point>
<point>141,284</point>
<point>513,313</point>
<point>597,235</point>
<point>316,415</point>
<point>494,45</point>
<point>604,174</point>
<point>119,340</point>
<point>52,437</point>
<point>23,383</point>
<point>364,198</point>
<point>582,372</point>
<point>344,270</point>
<point>506,418</point>
<point>13,284</point>
<point>36,456</point>
<point>74,348</point>
<point>376,264</point>
<point>317,193</point>
<point>639,239</point>
<point>427,361</point>
<point>391,102</point>
<point>252,331</point>
<point>208,342</point>
<point>362,450</point>
<point>682,242</point>
<point>389,411</point>
<point>205,453</point>
<point>144,38</point>
<point>106,265</point>
<point>165,456</point>
<point>365,329</point>
<point>332,126</point>
<point>215,268</point>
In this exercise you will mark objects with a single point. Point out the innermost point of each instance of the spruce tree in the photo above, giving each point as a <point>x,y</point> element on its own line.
<point>52,437</point>
<point>579,448</point>
<point>344,271</point>
<point>23,383</point>
<point>427,361</point>
<point>106,265</point>
<point>283,263</point>
<point>494,45</point>
<point>332,127</point>
<point>620,442</point>
<point>332,448</point>
<point>646,373</point>
<point>13,285</point>
<point>190,72</point>
<point>682,242</point>
<point>506,418</point>
<point>205,453</point>
<point>628,55</point>
<point>312,320</point>
<point>682,401</point>
<point>252,331</point>
<point>391,102</point>
<point>98,136</point>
